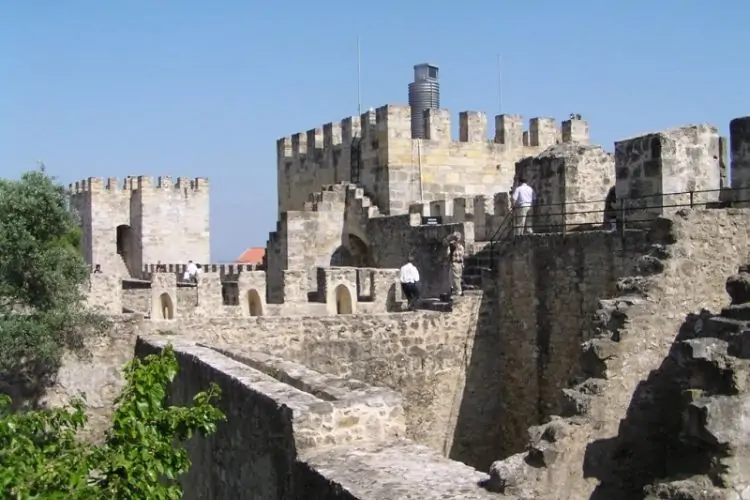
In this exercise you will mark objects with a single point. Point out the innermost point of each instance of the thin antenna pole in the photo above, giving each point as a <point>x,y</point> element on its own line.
<point>499,85</point>
<point>359,78</point>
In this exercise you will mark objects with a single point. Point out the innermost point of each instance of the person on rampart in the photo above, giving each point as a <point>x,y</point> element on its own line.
<point>523,198</point>
<point>191,273</point>
<point>98,269</point>
<point>409,278</point>
<point>456,258</point>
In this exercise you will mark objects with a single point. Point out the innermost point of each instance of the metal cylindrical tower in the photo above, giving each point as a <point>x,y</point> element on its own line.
<point>424,93</point>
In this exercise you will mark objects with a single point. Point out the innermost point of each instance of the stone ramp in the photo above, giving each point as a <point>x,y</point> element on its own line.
<point>399,469</point>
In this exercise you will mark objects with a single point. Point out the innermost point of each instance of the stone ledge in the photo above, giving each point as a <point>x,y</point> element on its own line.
<point>324,386</point>
<point>396,469</point>
<point>318,416</point>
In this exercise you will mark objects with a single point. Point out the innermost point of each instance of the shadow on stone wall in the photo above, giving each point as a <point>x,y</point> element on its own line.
<point>27,384</point>
<point>649,445</point>
<point>479,407</point>
<point>537,310</point>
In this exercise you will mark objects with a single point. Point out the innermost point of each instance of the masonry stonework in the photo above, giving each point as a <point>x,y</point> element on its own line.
<point>470,376</point>
<point>301,433</point>
<point>571,182</point>
<point>657,172</point>
<point>362,149</point>
<point>142,222</point>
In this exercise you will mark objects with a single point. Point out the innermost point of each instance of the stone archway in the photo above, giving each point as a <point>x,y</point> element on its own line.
<point>254,303</point>
<point>354,252</point>
<point>167,307</point>
<point>125,242</point>
<point>343,300</point>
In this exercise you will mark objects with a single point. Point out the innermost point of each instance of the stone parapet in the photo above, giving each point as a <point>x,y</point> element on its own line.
<point>140,182</point>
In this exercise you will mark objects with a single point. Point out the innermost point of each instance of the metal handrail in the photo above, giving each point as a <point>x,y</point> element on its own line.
<point>625,206</point>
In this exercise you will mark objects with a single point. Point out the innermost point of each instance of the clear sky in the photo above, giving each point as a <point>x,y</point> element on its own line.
<point>197,88</point>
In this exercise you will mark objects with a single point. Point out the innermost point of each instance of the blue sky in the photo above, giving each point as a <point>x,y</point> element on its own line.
<point>167,87</point>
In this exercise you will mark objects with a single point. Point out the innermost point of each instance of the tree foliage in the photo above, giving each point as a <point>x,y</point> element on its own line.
<point>41,273</point>
<point>141,457</point>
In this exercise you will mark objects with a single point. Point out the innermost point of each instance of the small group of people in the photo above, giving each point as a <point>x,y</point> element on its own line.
<point>409,274</point>
<point>192,271</point>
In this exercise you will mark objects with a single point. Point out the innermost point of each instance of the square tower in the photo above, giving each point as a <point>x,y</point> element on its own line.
<point>141,222</point>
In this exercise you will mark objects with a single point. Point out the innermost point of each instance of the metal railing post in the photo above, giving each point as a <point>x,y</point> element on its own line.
<point>691,199</point>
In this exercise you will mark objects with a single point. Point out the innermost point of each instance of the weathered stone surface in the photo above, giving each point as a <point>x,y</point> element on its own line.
<point>657,171</point>
<point>168,222</point>
<point>571,182</point>
<point>632,420</point>
<point>473,379</point>
<point>292,434</point>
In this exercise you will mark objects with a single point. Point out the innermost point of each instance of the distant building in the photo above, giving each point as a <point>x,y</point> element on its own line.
<point>253,255</point>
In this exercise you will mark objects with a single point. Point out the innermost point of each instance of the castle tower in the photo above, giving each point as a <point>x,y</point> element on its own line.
<point>141,222</point>
<point>424,94</point>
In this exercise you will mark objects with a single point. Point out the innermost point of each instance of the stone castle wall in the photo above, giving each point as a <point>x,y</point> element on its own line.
<point>396,170</point>
<point>618,438</point>
<point>296,433</point>
<point>493,340</point>
<point>142,222</point>
<point>539,301</point>
<point>657,171</point>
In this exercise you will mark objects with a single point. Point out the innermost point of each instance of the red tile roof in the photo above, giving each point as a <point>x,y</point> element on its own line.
<point>253,255</point>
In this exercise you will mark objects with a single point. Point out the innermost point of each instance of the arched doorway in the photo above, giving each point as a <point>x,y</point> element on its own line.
<point>353,253</point>
<point>125,242</point>
<point>254,304</point>
<point>167,308</point>
<point>343,300</point>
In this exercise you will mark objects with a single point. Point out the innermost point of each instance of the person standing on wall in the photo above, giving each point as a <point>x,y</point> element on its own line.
<point>456,257</point>
<point>523,197</point>
<point>409,278</point>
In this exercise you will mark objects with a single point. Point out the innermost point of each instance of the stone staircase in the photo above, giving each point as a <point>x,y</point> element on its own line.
<point>714,364</point>
<point>476,259</point>
<point>339,196</point>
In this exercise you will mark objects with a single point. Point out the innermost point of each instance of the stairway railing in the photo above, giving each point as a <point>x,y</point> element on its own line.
<point>617,217</point>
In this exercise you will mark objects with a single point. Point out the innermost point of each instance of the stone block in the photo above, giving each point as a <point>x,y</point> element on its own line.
<point>509,130</point>
<point>570,183</point>
<point>739,137</point>
<point>472,126</point>
<point>575,130</point>
<point>542,132</point>
<point>664,172</point>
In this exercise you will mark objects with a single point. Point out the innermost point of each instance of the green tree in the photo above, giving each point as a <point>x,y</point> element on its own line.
<point>141,458</point>
<point>41,273</point>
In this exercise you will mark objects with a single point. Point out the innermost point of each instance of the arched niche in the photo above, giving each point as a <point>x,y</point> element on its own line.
<point>344,303</point>
<point>254,302</point>
<point>354,252</point>
<point>125,243</point>
<point>166,306</point>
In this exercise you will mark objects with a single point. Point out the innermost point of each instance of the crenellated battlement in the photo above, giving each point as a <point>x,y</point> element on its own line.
<point>225,271</point>
<point>393,121</point>
<point>359,149</point>
<point>135,183</point>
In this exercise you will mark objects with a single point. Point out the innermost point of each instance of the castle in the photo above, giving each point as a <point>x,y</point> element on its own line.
<point>333,391</point>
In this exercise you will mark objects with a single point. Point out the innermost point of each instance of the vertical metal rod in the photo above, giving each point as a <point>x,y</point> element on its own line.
<point>359,78</point>
<point>499,85</point>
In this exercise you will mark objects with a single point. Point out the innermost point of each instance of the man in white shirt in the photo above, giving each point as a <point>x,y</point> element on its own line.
<point>523,197</point>
<point>409,278</point>
<point>191,273</point>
